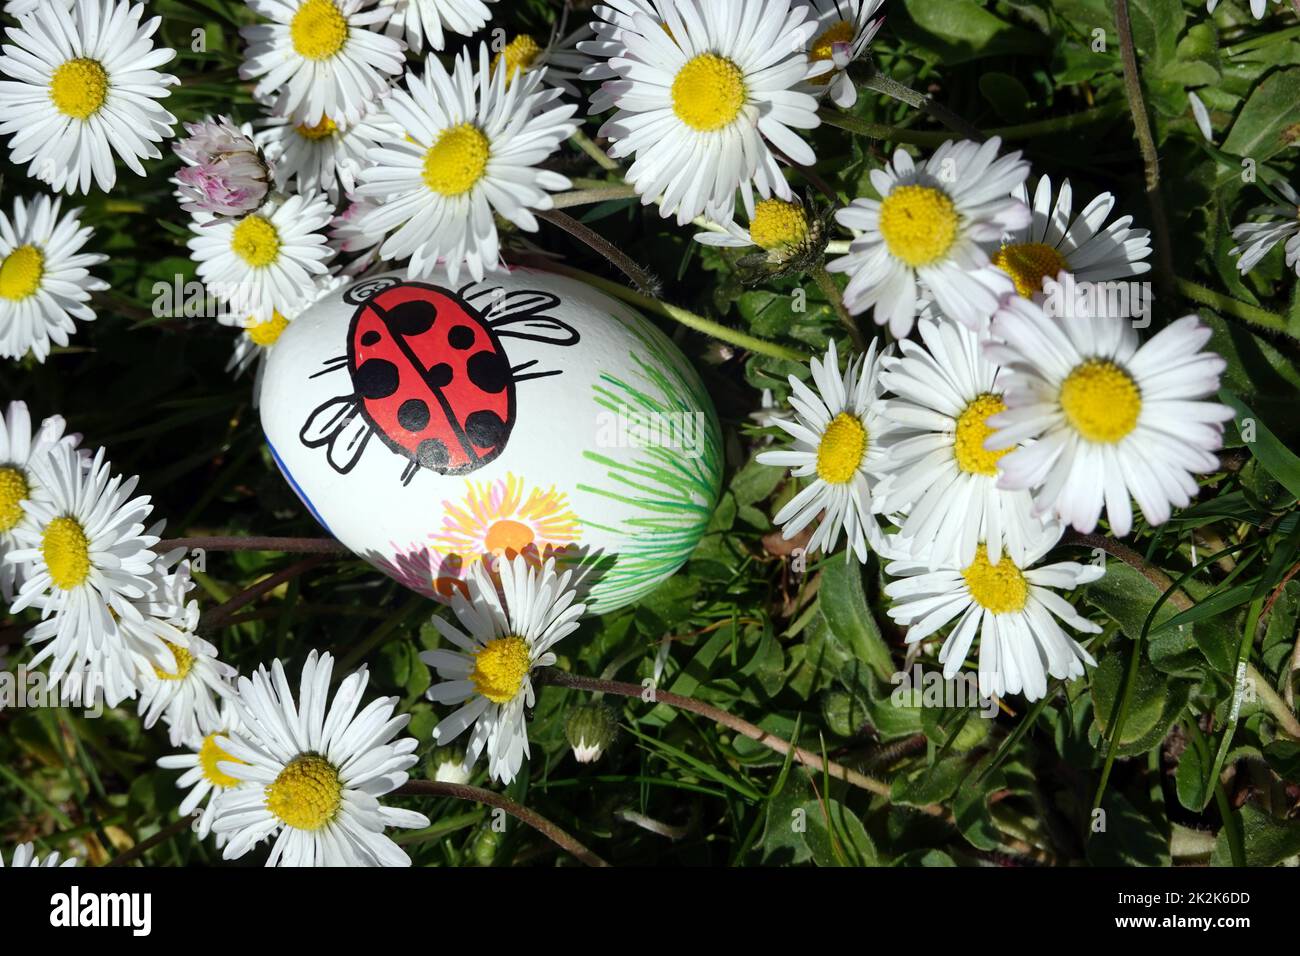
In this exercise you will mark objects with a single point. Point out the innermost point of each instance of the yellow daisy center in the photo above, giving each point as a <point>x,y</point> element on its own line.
<point>1028,264</point>
<point>256,241</point>
<point>14,490</point>
<point>209,756</point>
<point>184,661</point>
<point>67,552</point>
<point>457,161</point>
<point>918,223</point>
<point>1000,588</point>
<point>307,794</point>
<point>519,55</point>
<point>972,430</point>
<point>318,30</point>
<point>20,273</point>
<point>325,128</point>
<point>500,668</point>
<point>267,332</point>
<point>778,224</point>
<point>79,87</point>
<point>1101,401</point>
<point>709,92</point>
<point>841,450</point>
<point>823,48</point>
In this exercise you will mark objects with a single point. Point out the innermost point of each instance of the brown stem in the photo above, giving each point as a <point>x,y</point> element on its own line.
<point>598,243</point>
<point>222,612</point>
<point>285,545</point>
<point>545,827</point>
<point>1146,143</point>
<point>782,746</point>
<point>162,836</point>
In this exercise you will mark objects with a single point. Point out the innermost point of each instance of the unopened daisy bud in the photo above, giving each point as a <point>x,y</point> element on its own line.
<point>225,172</point>
<point>590,730</point>
<point>447,765</point>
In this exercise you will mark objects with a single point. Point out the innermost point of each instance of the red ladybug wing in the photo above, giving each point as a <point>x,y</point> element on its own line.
<point>433,378</point>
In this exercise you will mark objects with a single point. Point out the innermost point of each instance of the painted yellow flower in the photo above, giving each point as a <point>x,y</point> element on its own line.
<point>504,518</point>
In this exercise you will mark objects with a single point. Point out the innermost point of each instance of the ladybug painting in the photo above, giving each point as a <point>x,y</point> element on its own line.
<point>430,374</point>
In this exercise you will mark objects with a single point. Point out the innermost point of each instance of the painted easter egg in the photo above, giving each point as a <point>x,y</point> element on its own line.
<point>429,425</point>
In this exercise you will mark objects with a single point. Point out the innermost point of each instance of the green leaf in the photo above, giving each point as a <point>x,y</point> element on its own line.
<point>844,604</point>
<point>1273,106</point>
<point>1268,841</point>
<point>836,836</point>
<point>932,784</point>
<point>1283,756</point>
<point>1130,837</point>
<point>1125,596</point>
<point>1278,460</point>
<point>957,31</point>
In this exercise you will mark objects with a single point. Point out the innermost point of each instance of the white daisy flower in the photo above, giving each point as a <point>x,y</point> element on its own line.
<point>204,780</point>
<point>317,770</point>
<point>83,87</point>
<point>21,452</point>
<point>611,20</point>
<point>943,478</point>
<point>845,28</point>
<point>1053,243</point>
<point>1255,239</point>
<point>44,277</point>
<point>418,20</point>
<point>507,632</point>
<point>24,856</point>
<point>89,561</point>
<point>324,157</point>
<point>842,437</point>
<point>1110,417</point>
<point>930,234</point>
<point>560,57</point>
<point>259,334</point>
<point>320,58</point>
<point>706,96</point>
<point>266,260</point>
<point>186,687</point>
<point>20,8</point>
<point>472,149</point>
<point>1013,608</point>
<point>1258,8</point>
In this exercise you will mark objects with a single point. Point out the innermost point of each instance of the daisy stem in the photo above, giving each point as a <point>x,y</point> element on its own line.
<point>221,614</point>
<point>1146,144</point>
<point>836,299</point>
<point>600,244</point>
<point>1229,306</point>
<point>458,791</point>
<point>780,745</point>
<point>587,197</point>
<point>588,146</point>
<point>144,846</point>
<point>285,545</point>
<point>880,83</point>
<point>689,319</point>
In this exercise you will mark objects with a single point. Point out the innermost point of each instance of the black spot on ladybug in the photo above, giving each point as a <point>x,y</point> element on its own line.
<point>440,375</point>
<point>432,454</point>
<point>371,338</point>
<point>376,378</point>
<point>413,415</point>
<point>411,318</point>
<point>460,338</point>
<point>485,429</point>
<point>489,371</point>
